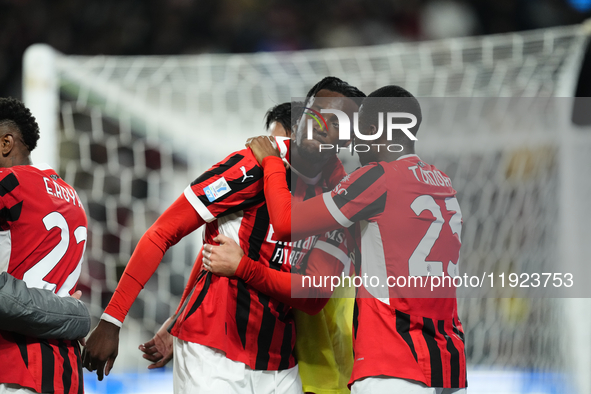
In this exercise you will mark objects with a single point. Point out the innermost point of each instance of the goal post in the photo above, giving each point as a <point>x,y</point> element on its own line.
<point>130,132</point>
<point>41,95</point>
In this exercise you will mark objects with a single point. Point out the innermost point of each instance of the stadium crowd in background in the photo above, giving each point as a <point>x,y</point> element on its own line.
<point>136,27</point>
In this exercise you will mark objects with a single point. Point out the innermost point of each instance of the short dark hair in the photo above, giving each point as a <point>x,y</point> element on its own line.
<point>392,98</point>
<point>337,85</point>
<point>13,112</point>
<point>286,114</point>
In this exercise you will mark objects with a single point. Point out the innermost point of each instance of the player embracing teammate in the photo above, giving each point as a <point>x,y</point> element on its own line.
<point>405,340</point>
<point>229,336</point>
<point>234,331</point>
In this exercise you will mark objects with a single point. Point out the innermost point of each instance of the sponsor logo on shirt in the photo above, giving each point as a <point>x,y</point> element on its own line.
<point>245,177</point>
<point>217,189</point>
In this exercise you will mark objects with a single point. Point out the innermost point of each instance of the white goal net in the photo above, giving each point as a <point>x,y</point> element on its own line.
<point>132,132</point>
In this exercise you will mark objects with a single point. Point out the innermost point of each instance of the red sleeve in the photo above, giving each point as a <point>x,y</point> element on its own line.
<point>359,196</point>
<point>327,259</point>
<point>292,221</point>
<point>179,220</point>
<point>227,187</point>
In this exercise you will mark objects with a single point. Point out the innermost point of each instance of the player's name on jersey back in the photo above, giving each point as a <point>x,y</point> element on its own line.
<point>435,178</point>
<point>65,193</point>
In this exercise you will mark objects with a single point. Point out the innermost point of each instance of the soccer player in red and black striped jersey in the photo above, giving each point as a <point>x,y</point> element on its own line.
<point>324,340</point>
<point>404,341</point>
<point>229,337</point>
<point>42,240</point>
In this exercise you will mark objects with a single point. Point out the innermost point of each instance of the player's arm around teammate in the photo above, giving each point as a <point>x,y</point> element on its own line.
<point>384,362</point>
<point>288,225</point>
<point>179,220</point>
<point>159,349</point>
<point>41,313</point>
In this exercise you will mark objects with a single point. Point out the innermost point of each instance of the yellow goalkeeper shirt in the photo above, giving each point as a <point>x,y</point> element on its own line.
<point>324,344</point>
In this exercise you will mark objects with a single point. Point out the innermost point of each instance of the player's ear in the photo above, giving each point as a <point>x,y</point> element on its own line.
<point>6,144</point>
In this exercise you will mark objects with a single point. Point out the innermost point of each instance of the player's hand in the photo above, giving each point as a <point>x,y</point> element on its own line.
<point>263,146</point>
<point>101,349</point>
<point>222,259</point>
<point>159,350</point>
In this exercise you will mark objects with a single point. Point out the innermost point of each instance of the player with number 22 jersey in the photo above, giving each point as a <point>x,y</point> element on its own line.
<point>42,238</point>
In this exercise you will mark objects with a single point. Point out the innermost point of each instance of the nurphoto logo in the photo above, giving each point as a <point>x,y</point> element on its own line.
<point>392,120</point>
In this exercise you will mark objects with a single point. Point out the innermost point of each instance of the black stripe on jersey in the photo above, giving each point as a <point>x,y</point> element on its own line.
<point>8,184</point>
<point>371,210</point>
<point>286,347</point>
<point>184,306</point>
<point>355,319</point>
<point>292,179</point>
<point>249,202</point>
<point>236,185</point>
<point>242,310</point>
<point>259,231</point>
<point>276,260</point>
<point>79,367</point>
<point>403,329</point>
<point>67,373</point>
<point>434,353</point>
<point>461,335</point>
<point>47,367</point>
<point>458,332</point>
<point>359,186</point>
<point>219,170</point>
<point>454,353</point>
<point>201,295</point>
<point>12,214</point>
<point>254,174</point>
<point>21,342</point>
<point>265,334</point>
<point>356,252</point>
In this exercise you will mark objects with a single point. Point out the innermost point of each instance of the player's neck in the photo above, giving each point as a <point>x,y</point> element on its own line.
<point>16,160</point>
<point>393,156</point>
<point>305,167</point>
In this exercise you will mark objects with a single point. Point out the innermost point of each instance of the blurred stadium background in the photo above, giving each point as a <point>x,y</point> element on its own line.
<point>173,27</point>
<point>137,98</point>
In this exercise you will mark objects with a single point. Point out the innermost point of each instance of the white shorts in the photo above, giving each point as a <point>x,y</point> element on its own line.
<point>8,388</point>
<point>201,369</point>
<point>390,385</point>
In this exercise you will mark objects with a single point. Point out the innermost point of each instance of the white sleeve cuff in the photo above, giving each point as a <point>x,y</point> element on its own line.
<point>198,205</point>
<point>335,211</point>
<point>111,319</point>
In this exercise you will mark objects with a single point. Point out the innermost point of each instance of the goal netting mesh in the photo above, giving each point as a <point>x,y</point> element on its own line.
<point>134,131</point>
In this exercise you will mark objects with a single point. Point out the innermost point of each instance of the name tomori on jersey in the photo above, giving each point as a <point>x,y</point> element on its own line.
<point>65,193</point>
<point>434,178</point>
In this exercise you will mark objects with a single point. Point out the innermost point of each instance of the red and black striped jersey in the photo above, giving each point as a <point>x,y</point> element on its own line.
<point>410,226</point>
<point>42,240</point>
<point>226,313</point>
